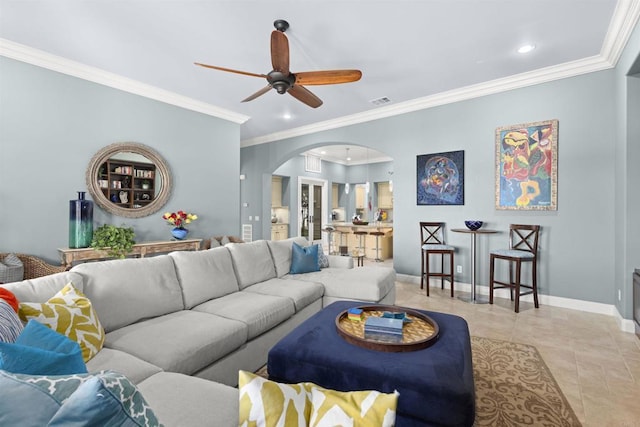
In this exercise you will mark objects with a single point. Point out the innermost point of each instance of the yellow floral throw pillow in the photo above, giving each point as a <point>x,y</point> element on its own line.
<point>271,404</point>
<point>368,408</point>
<point>70,313</point>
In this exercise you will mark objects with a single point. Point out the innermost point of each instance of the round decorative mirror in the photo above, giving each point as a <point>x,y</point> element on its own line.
<point>129,179</point>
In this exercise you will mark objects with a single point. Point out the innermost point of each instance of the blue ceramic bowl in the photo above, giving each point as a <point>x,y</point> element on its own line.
<point>473,225</point>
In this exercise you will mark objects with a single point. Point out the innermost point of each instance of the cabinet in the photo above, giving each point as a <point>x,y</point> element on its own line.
<point>385,196</point>
<point>276,191</point>
<point>360,196</point>
<point>127,184</point>
<point>279,231</point>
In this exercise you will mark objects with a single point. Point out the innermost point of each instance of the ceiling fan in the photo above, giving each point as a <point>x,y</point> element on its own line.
<point>283,80</point>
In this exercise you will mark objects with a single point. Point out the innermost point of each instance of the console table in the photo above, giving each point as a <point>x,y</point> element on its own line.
<point>68,256</point>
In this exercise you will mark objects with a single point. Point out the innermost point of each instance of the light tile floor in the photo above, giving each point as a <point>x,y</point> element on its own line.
<point>596,365</point>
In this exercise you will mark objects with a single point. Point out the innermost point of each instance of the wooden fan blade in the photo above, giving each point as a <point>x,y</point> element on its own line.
<point>258,93</point>
<point>231,70</point>
<point>304,95</point>
<point>280,52</point>
<point>327,77</point>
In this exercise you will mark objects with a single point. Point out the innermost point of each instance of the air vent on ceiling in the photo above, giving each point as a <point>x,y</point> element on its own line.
<point>313,164</point>
<point>380,101</point>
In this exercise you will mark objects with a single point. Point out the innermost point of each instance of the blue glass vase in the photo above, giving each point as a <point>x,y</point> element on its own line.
<point>80,222</point>
<point>179,233</point>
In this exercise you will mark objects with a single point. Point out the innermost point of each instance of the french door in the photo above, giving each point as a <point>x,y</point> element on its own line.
<point>312,195</point>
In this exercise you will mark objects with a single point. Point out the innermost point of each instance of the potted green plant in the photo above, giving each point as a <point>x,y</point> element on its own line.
<point>117,241</point>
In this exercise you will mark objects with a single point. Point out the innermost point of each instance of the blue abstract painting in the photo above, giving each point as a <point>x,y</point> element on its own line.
<point>440,178</point>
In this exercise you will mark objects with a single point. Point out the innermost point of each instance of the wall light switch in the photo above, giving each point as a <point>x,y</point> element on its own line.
<point>245,205</point>
<point>257,218</point>
<point>250,217</point>
<point>459,269</point>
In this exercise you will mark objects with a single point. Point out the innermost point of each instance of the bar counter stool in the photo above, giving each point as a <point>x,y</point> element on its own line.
<point>342,249</point>
<point>523,247</point>
<point>329,229</point>
<point>361,247</point>
<point>377,234</point>
<point>432,238</point>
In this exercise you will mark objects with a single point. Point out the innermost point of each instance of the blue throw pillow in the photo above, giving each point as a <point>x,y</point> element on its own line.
<point>105,398</point>
<point>39,350</point>
<point>304,259</point>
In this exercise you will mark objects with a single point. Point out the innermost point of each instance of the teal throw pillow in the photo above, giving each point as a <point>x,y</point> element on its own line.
<point>105,398</point>
<point>304,259</point>
<point>323,260</point>
<point>39,350</point>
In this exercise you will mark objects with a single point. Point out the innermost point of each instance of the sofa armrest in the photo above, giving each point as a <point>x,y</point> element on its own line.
<point>339,261</point>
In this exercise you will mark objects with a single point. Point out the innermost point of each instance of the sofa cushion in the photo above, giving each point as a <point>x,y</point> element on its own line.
<point>204,275</point>
<point>252,262</point>
<point>43,288</point>
<point>125,291</point>
<point>281,253</point>
<point>302,292</point>
<point>259,312</point>
<point>39,350</point>
<point>70,313</point>
<point>184,341</point>
<point>133,368</point>
<point>180,400</point>
<point>103,398</point>
<point>361,284</point>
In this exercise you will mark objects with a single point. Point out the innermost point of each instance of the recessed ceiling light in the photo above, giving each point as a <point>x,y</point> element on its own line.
<point>286,116</point>
<point>323,152</point>
<point>526,48</point>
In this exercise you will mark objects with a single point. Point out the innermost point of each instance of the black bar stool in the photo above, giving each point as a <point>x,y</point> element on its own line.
<point>377,234</point>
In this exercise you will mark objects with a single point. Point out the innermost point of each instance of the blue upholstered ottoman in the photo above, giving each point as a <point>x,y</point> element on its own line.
<point>435,384</point>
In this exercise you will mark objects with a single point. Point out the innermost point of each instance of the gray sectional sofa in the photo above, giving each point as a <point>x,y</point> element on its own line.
<point>181,325</point>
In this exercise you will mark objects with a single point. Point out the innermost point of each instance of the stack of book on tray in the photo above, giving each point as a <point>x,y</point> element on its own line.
<point>383,329</point>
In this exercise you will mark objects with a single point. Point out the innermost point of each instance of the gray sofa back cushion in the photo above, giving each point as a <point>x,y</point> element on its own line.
<point>281,253</point>
<point>41,289</point>
<point>252,262</point>
<point>205,275</point>
<point>125,291</point>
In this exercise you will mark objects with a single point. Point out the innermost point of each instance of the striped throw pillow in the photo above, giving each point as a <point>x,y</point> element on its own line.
<point>10,324</point>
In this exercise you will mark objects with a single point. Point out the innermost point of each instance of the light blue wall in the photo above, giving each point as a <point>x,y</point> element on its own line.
<point>52,124</point>
<point>585,108</point>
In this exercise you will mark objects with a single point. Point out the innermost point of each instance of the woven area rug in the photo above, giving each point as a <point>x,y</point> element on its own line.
<point>514,387</point>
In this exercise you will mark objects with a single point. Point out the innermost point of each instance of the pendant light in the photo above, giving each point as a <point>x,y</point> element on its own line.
<point>346,186</point>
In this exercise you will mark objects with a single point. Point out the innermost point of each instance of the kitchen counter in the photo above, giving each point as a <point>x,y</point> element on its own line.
<point>371,225</point>
<point>352,241</point>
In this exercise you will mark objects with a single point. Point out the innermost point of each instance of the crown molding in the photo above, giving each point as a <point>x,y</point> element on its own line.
<point>530,78</point>
<point>624,19</point>
<point>46,60</point>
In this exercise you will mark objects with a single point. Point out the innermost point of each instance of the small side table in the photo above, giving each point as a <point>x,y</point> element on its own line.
<point>474,299</point>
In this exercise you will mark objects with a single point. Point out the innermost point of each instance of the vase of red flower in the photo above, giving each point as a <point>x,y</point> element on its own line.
<point>178,221</point>
<point>180,233</point>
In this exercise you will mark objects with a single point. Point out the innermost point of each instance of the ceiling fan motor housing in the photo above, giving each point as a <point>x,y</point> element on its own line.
<point>280,81</point>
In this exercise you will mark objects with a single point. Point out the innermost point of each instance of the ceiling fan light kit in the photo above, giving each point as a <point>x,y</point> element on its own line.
<point>283,80</point>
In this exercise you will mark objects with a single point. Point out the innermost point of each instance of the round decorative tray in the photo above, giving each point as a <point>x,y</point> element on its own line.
<point>418,332</point>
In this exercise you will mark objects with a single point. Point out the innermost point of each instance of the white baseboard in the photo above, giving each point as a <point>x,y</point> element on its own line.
<point>625,325</point>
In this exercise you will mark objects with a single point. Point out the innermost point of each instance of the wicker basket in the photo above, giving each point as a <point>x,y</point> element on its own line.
<point>35,267</point>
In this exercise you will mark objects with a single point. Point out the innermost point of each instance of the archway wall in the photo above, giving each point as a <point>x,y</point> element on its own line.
<point>585,108</point>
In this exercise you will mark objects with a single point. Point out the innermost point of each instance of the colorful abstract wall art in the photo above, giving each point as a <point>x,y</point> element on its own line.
<point>527,166</point>
<point>440,178</point>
